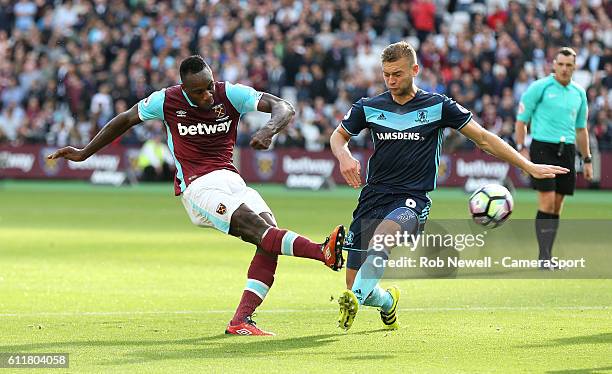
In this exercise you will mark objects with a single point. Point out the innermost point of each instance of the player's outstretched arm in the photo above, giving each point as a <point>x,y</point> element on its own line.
<point>349,166</point>
<point>282,112</point>
<point>111,131</point>
<point>492,144</point>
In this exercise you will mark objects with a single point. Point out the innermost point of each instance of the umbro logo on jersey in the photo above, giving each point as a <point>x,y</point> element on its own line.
<point>381,117</point>
<point>181,113</point>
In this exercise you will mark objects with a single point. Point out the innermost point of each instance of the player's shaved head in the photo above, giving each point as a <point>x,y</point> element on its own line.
<point>192,65</point>
<point>197,81</point>
<point>397,51</point>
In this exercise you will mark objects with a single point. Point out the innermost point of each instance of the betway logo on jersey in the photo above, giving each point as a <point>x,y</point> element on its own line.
<point>398,136</point>
<point>204,129</point>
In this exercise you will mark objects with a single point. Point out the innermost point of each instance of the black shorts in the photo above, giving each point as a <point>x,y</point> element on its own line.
<point>374,205</point>
<point>555,154</point>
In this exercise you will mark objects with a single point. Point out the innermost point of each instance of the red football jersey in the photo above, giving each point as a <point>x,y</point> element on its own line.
<point>200,140</point>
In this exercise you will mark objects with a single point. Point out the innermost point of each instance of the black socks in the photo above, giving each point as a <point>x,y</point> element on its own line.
<point>546,226</point>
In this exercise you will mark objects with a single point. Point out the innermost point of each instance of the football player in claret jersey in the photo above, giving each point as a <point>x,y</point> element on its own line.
<point>201,117</point>
<point>407,125</point>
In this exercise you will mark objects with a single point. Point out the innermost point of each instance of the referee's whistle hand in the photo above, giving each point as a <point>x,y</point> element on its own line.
<point>541,171</point>
<point>588,171</point>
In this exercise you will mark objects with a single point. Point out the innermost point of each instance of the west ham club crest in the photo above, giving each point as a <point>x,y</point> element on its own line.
<point>219,110</point>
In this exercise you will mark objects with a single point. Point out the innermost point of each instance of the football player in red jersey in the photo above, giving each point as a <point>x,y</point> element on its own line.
<point>201,116</point>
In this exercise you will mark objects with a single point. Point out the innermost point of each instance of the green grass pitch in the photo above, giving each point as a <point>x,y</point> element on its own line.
<point>121,280</point>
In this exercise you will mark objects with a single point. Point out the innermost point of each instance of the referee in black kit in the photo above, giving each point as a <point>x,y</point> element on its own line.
<point>556,107</point>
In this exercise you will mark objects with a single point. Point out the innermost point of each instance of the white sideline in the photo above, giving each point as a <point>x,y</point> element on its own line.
<point>273,311</point>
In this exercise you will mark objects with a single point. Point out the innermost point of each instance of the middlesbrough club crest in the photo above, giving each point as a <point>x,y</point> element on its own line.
<point>219,110</point>
<point>422,116</point>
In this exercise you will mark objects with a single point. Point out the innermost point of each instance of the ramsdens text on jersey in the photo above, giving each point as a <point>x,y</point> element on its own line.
<point>398,136</point>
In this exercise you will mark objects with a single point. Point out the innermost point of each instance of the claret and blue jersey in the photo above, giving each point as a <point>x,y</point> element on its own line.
<point>201,140</point>
<point>407,138</point>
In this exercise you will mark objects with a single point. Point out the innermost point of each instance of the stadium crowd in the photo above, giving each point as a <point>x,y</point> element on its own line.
<point>67,67</point>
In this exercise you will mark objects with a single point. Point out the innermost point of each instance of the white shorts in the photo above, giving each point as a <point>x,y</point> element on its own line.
<point>211,199</point>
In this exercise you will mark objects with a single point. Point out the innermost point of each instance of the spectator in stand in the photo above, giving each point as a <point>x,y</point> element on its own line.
<point>155,161</point>
<point>603,130</point>
<point>303,80</point>
<point>11,121</point>
<point>289,137</point>
<point>423,14</point>
<point>102,106</point>
<point>63,52</point>
<point>396,23</point>
<point>318,86</point>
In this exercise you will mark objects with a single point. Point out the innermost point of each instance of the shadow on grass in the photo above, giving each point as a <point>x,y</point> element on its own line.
<point>605,338</point>
<point>210,347</point>
<point>600,370</point>
<point>66,346</point>
<point>236,347</point>
<point>232,347</point>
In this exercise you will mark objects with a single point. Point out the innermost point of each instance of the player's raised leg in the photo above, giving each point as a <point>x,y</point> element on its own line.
<point>221,200</point>
<point>253,229</point>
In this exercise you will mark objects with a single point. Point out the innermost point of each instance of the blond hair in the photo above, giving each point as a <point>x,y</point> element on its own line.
<point>396,51</point>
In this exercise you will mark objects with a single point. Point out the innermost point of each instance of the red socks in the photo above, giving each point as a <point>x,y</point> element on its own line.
<point>261,272</point>
<point>260,279</point>
<point>288,243</point>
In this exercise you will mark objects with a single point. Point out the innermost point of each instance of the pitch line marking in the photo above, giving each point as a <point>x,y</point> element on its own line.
<point>275,311</point>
